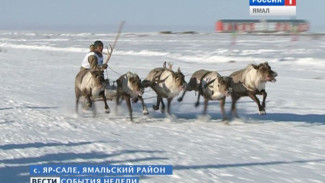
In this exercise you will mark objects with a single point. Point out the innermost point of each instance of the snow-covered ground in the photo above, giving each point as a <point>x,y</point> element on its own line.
<point>38,124</point>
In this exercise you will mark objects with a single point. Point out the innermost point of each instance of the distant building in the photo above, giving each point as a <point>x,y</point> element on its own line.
<point>262,25</point>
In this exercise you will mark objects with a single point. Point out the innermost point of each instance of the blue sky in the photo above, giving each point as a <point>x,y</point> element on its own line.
<point>141,15</point>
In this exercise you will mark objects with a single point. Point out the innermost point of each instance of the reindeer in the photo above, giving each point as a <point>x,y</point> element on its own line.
<point>166,83</point>
<point>90,84</point>
<point>212,86</point>
<point>251,82</point>
<point>129,86</point>
<point>194,84</point>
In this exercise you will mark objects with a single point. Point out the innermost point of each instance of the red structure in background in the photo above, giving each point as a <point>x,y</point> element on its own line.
<point>262,26</point>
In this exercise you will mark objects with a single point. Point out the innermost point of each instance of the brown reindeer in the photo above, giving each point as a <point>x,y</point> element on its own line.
<point>89,85</point>
<point>251,82</point>
<point>212,86</point>
<point>166,83</point>
<point>129,87</point>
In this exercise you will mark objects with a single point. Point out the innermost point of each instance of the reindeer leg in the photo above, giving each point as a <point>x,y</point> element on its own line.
<point>94,110</point>
<point>205,106</point>
<point>128,103</point>
<point>118,96</point>
<point>169,101</point>
<point>107,110</point>
<point>189,87</point>
<point>162,105</point>
<point>156,107</point>
<point>197,103</point>
<point>120,99</point>
<point>222,107</point>
<point>144,107</point>
<point>257,101</point>
<point>192,85</point>
<point>135,100</point>
<point>77,102</point>
<point>233,105</point>
<point>180,99</point>
<point>89,102</point>
<point>264,98</point>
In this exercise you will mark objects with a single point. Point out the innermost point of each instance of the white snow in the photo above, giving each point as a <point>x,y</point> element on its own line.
<point>38,124</point>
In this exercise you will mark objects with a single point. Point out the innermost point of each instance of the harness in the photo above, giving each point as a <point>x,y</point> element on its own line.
<point>157,77</point>
<point>209,72</point>
<point>250,89</point>
<point>201,79</point>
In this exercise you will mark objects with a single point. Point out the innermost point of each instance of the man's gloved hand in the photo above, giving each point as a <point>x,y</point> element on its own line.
<point>104,66</point>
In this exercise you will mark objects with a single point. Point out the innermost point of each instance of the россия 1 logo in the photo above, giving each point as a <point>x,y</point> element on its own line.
<point>272,7</point>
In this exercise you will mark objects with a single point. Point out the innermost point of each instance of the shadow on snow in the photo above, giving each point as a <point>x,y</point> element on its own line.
<point>27,107</point>
<point>236,165</point>
<point>276,117</point>
<point>288,117</point>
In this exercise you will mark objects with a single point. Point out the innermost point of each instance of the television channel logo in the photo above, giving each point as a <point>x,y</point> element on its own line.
<point>272,7</point>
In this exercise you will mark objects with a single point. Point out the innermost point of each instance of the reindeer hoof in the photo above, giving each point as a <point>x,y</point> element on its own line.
<point>180,99</point>
<point>155,107</point>
<point>107,110</point>
<point>196,104</point>
<point>226,122</point>
<point>145,112</point>
<point>225,119</point>
<point>162,110</point>
<point>94,113</point>
<point>87,105</point>
<point>262,112</point>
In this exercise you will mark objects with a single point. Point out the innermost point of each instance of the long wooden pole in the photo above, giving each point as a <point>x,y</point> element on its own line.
<point>115,41</point>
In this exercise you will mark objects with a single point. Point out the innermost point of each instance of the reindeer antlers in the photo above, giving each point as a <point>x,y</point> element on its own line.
<point>109,53</point>
<point>170,66</point>
<point>164,65</point>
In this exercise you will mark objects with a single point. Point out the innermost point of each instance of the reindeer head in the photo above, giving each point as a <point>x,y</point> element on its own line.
<point>98,82</point>
<point>221,84</point>
<point>224,83</point>
<point>134,84</point>
<point>266,72</point>
<point>98,77</point>
<point>179,79</point>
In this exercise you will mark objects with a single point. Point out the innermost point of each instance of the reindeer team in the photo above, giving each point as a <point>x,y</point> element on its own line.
<point>168,84</point>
